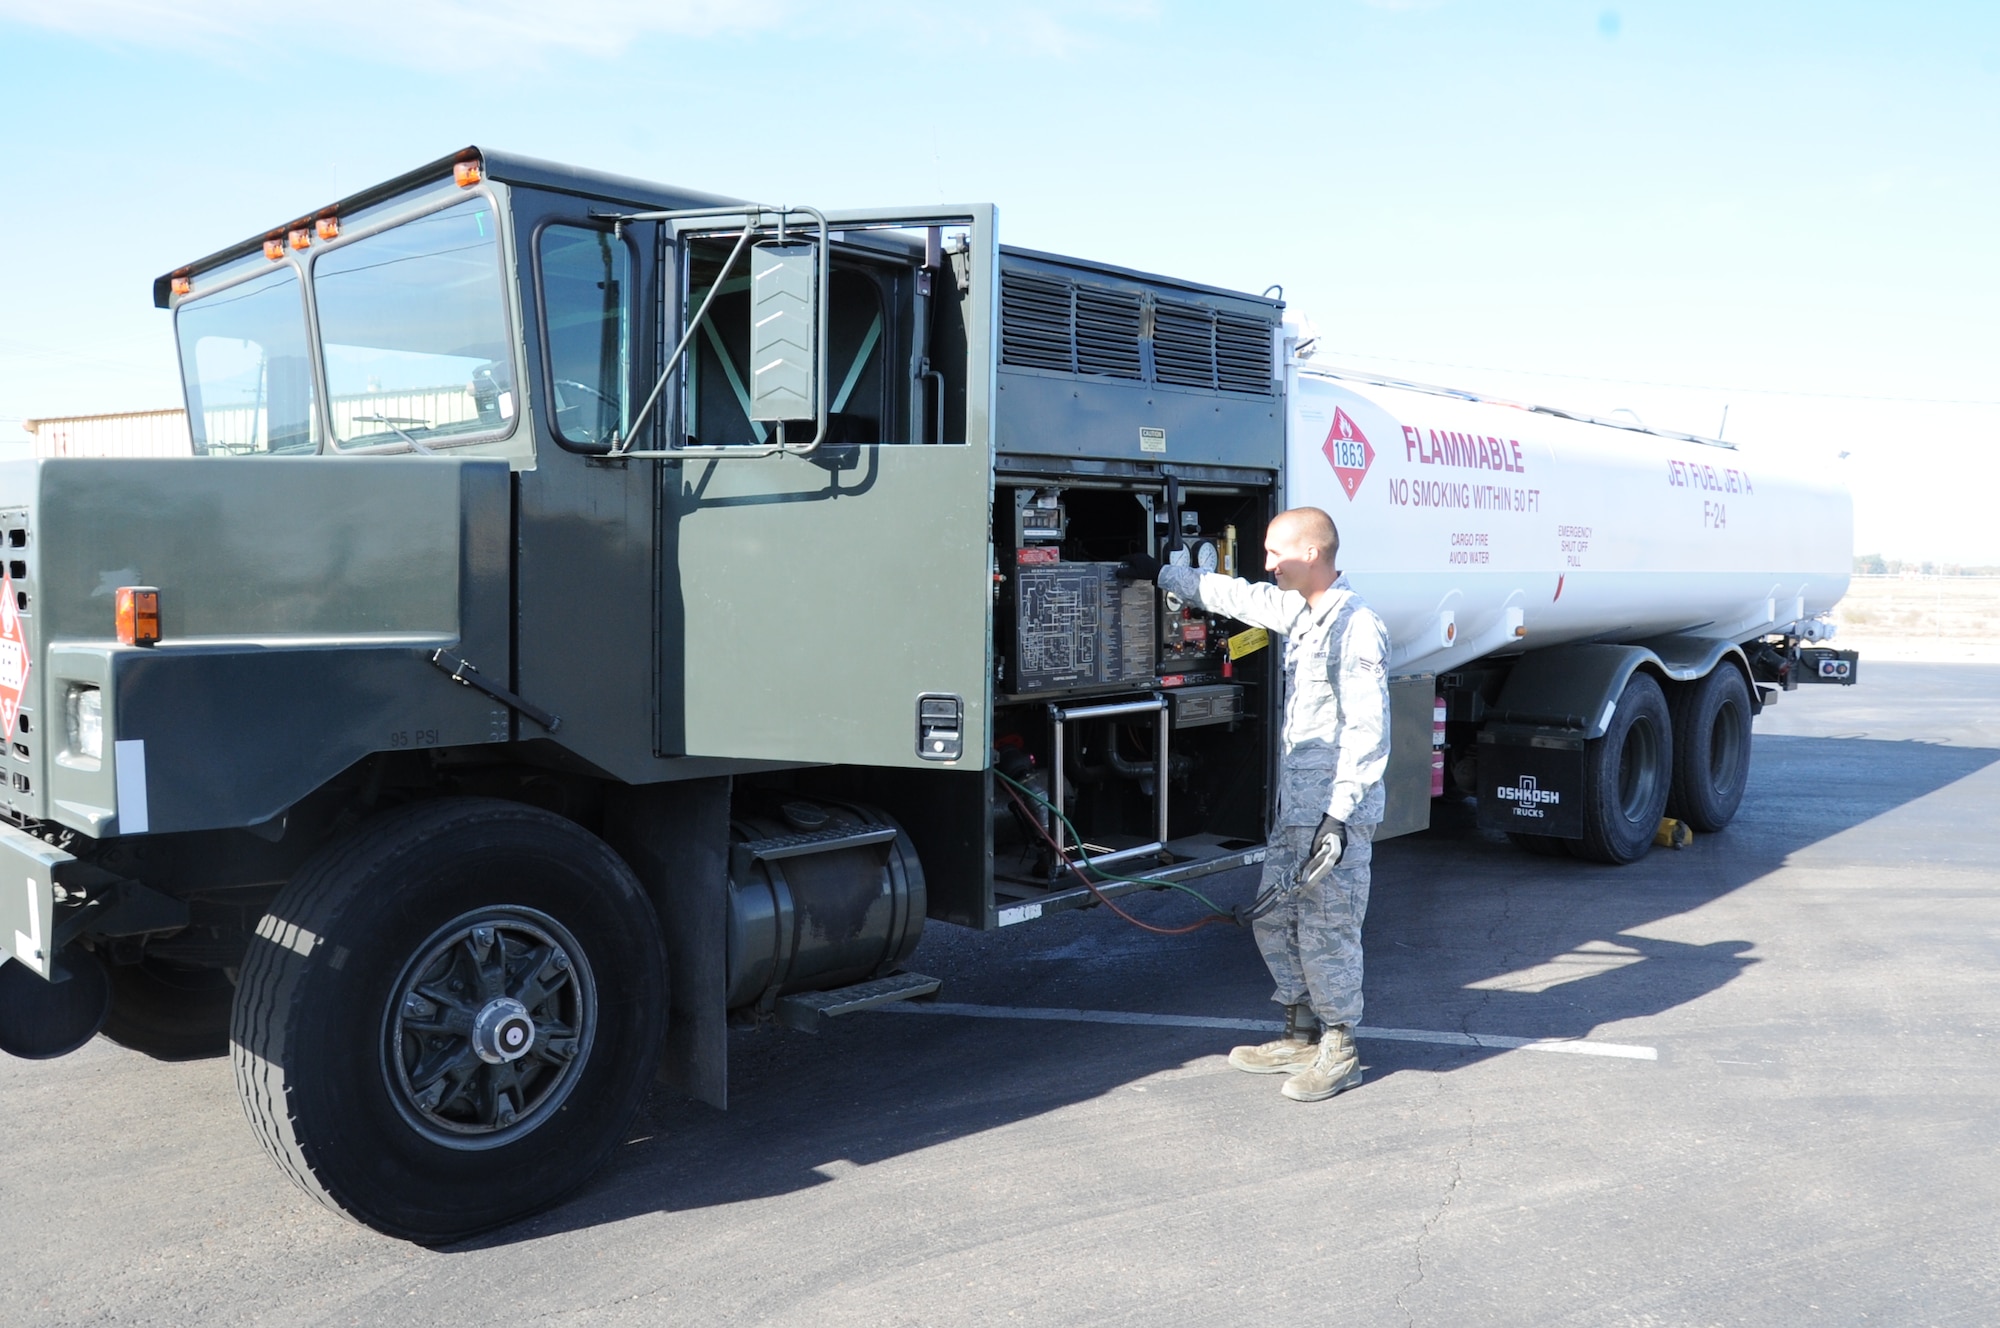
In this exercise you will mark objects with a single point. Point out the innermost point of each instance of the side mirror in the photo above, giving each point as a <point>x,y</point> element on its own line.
<point>784,323</point>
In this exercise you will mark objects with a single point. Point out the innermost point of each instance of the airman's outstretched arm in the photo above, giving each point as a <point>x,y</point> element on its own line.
<point>1255,602</point>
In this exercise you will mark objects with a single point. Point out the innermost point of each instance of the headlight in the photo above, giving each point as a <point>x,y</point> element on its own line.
<point>83,710</point>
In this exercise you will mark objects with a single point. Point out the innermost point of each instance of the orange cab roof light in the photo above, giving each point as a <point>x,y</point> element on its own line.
<point>138,612</point>
<point>300,237</point>
<point>183,285</point>
<point>328,227</point>
<point>274,249</point>
<point>466,174</point>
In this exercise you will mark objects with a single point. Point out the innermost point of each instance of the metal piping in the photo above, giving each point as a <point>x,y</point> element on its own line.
<point>1060,719</point>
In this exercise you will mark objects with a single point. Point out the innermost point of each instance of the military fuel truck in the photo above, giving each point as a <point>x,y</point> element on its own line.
<point>599,611</point>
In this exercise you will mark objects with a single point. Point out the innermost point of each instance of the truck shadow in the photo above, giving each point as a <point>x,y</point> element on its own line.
<point>1464,934</point>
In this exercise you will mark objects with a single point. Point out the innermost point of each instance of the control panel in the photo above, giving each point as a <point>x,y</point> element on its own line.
<point>1077,626</point>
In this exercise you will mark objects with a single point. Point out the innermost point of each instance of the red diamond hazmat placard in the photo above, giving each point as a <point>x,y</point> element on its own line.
<point>1348,452</point>
<point>14,661</point>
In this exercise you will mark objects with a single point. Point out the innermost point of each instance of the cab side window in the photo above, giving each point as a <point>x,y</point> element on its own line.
<point>586,276</point>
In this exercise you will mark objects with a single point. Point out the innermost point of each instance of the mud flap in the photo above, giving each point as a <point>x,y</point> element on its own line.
<point>1531,781</point>
<point>675,837</point>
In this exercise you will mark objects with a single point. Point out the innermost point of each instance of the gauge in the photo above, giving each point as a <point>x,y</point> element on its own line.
<point>1205,556</point>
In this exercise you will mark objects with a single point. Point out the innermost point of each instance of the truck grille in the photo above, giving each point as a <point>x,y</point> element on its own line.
<point>18,792</point>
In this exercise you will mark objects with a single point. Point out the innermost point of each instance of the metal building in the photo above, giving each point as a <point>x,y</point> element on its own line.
<point>138,433</point>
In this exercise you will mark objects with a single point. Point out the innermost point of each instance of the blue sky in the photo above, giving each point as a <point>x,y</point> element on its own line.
<point>1785,209</point>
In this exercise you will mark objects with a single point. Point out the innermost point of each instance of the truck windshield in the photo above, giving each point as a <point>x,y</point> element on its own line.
<point>244,358</point>
<point>413,324</point>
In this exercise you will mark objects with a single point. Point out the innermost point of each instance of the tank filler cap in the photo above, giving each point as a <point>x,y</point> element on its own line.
<point>804,815</point>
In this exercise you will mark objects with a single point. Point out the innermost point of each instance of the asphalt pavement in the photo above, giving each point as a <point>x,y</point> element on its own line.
<point>1752,1081</point>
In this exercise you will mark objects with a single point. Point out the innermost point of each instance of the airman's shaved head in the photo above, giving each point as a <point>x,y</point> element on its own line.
<point>1313,526</point>
<point>1299,549</point>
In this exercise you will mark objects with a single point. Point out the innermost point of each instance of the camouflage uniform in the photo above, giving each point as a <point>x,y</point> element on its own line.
<point>1336,748</point>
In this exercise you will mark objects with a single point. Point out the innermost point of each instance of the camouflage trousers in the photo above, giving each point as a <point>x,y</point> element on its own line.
<point>1312,942</point>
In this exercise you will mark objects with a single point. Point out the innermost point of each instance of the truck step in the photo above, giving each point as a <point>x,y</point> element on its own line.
<point>778,847</point>
<point>808,1010</point>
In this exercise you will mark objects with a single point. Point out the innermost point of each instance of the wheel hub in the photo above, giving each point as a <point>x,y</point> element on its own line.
<point>491,1020</point>
<point>502,1031</point>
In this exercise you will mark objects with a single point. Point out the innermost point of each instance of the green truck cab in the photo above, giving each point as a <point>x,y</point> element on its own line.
<point>597,610</point>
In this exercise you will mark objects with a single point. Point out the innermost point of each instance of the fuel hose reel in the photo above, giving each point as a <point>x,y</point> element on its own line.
<point>821,894</point>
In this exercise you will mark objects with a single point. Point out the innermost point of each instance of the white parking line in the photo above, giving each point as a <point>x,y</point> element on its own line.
<point>1489,1041</point>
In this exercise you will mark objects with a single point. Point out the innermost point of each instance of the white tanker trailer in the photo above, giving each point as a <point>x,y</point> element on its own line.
<point>1602,608</point>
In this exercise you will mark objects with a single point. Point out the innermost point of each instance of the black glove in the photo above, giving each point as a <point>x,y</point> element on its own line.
<point>1139,567</point>
<point>1329,845</point>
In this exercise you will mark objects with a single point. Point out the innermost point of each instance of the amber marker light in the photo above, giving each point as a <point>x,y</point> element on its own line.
<point>328,227</point>
<point>274,249</point>
<point>466,174</point>
<point>300,238</point>
<point>183,285</point>
<point>138,615</point>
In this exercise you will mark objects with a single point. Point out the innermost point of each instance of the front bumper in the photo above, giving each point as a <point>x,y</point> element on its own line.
<point>31,874</point>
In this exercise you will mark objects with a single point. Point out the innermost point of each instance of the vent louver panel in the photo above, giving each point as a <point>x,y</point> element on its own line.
<point>1035,321</point>
<point>1184,345</point>
<point>1072,327</point>
<point>1107,332</point>
<point>1243,353</point>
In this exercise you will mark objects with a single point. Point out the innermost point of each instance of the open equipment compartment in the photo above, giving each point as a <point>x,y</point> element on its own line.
<point>1136,414</point>
<point>1096,676</point>
<point>1132,414</point>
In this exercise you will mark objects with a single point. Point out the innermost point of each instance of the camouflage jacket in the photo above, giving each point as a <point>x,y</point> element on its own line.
<point>1336,691</point>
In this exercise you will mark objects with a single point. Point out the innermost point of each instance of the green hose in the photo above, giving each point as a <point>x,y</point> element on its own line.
<point>1108,875</point>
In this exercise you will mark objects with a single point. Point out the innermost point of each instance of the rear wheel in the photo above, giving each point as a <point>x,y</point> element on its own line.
<point>1626,776</point>
<point>447,1021</point>
<point>168,1012</point>
<point>1711,750</point>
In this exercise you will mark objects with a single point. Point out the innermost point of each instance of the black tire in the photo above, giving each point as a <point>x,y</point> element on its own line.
<point>1711,750</point>
<point>1542,846</point>
<point>42,1019</point>
<point>168,1012</point>
<point>1626,776</point>
<point>447,1020</point>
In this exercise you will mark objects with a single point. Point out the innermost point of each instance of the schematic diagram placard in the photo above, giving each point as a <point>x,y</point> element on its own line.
<point>1077,625</point>
<point>1062,617</point>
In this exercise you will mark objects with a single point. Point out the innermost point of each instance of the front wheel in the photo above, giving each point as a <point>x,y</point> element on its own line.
<point>447,1020</point>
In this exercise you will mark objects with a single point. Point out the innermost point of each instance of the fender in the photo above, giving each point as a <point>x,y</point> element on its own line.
<point>1577,687</point>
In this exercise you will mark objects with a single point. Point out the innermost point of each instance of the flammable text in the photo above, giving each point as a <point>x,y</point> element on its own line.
<point>1435,447</point>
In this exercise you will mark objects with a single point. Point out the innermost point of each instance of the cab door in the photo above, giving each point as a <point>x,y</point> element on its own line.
<point>836,606</point>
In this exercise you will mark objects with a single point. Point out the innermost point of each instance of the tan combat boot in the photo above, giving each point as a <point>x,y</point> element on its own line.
<point>1335,1069</point>
<point>1292,1052</point>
